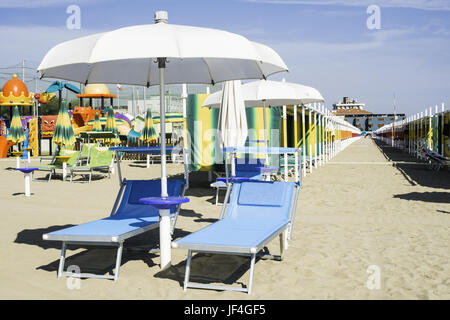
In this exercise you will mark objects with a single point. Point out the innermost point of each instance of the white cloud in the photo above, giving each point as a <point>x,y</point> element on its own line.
<point>439,5</point>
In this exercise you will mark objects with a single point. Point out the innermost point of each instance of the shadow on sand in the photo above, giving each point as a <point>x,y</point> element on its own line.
<point>96,259</point>
<point>416,172</point>
<point>437,197</point>
<point>220,269</point>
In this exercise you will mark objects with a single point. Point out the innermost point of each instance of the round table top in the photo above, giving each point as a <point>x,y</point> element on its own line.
<point>64,158</point>
<point>27,170</point>
<point>163,203</point>
<point>17,153</point>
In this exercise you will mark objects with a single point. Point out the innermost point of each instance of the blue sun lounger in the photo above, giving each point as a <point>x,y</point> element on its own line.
<point>128,219</point>
<point>258,212</point>
<point>248,169</point>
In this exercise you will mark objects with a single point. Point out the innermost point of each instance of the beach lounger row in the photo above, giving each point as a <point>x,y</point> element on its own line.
<point>436,160</point>
<point>56,164</point>
<point>85,162</point>
<point>257,212</point>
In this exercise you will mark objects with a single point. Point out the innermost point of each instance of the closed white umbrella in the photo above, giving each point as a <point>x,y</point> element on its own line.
<point>232,118</point>
<point>155,55</point>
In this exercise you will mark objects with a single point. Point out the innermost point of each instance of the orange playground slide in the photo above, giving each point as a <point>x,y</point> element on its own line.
<point>4,146</point>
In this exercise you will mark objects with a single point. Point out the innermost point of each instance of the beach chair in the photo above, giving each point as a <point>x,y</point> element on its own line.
<point>248,169</point>
<point>57,164</point>
<point>100,159</point>
<point>128,218</point>
<point>258,212</point>
<point>291,164</point>
<point>435,159</point>
<point>85,152</point>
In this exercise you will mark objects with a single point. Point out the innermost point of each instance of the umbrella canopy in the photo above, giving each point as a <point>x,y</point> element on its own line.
<point>148,132</point>
<point>232,119</point>
<point>171,117</point>
<point>15,133</point>
<point>97,124</point>
<point>111,125</point>
<point>63,135</point>
<point>195,55</point>
<point>155,55</point>
<point>270,93</point>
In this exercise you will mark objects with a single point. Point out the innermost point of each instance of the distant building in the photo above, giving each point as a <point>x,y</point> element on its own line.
<point>353,112</point>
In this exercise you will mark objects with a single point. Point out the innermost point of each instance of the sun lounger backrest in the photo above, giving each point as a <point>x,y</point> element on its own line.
<point>261,201</point>
<point>55,161</point>
<point>136,189</point>
<point>73,159</point>
<point>70,162</point>
<point>85,149</point>
<point>249,168</point>
<point>100,157</point>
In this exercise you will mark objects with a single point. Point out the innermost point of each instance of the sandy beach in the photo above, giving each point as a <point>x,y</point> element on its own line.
<point>370,208</point>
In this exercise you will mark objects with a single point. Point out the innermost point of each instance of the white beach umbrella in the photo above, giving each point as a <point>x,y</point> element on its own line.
<point>232,118</point>
<point>270,93</point>
<point>264,93</point>
<point>161,54</point>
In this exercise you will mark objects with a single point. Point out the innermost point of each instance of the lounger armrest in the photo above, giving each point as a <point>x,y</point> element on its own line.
<point>45,159</point>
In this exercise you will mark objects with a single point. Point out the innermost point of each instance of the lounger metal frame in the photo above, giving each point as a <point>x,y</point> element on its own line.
<point>243,251</point>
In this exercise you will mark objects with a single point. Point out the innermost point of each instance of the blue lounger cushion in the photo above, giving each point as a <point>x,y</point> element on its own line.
<point>131,217</point>
<point>250,220</point>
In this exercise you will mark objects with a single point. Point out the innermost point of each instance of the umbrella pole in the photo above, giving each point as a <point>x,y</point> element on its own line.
<point>285,143</point>
<point>265,133</point>
<point>164,224</point>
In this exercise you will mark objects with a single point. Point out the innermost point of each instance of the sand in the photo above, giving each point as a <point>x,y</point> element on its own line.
<point>370,224</point>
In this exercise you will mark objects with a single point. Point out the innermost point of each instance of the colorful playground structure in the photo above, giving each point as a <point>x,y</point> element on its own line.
<point>42,127</point>
<point>423,135</point>
<point>15,93</point>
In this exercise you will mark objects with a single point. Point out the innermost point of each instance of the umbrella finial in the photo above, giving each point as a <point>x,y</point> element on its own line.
<point>161,16</point>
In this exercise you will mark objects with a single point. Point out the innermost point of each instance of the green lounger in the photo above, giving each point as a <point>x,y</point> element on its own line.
<point>57,164</point>
<point>100,159</point>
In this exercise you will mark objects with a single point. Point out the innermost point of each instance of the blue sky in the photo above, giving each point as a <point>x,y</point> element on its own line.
<point>325,43</point>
